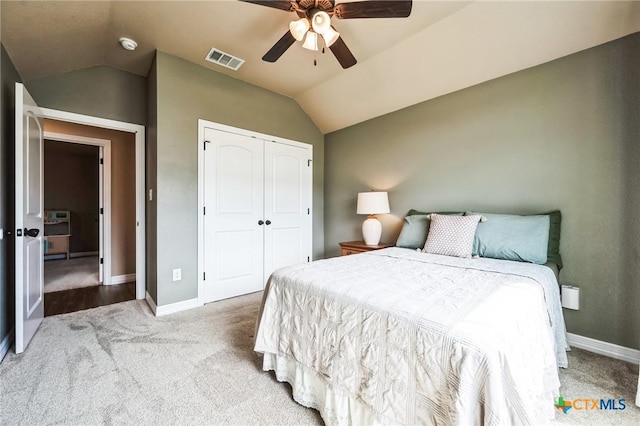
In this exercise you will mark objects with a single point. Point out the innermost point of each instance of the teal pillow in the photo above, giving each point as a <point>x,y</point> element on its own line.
<point>413,212</point>
<point>513,237</point>
<point>415,228</point>
<point>553,249</point>
<point>414,231</point>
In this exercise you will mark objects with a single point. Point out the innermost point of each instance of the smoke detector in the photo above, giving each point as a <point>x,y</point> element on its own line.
<point>127,43</point>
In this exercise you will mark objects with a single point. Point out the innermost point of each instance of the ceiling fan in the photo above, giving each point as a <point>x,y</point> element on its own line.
<point>314,22</point>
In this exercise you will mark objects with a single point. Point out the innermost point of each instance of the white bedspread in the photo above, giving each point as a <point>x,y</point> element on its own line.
<point>399,337</point>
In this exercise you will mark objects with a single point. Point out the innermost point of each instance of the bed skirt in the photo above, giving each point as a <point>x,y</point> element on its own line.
<point>310,390</point>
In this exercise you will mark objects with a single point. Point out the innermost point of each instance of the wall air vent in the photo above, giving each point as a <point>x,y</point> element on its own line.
<point>222,58</point>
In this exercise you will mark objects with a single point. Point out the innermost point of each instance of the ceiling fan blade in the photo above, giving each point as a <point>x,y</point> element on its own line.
<point>276,4</point>
<point>343,54</point>
<point>373,9</point>
<point>279,48</point>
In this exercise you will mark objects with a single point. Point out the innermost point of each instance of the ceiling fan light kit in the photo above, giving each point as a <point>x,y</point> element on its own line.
<point>330,36</point>
<point>299,28</point>
<point>311,41</point>
<point>320,21</point>
<point>315,18</point>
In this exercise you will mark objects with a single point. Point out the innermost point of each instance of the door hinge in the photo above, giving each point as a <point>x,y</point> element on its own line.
<point>308,163</point>
<point>205,144</point>
<point>102,161</point>
<point>101,210</point>
<point>204,210</point>
<point>204,276</point>
<point>308,259</point>
<point>101,261</point>
<point>308,211</point>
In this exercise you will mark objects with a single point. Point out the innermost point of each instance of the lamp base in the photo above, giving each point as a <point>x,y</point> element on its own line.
<point>371,231</point>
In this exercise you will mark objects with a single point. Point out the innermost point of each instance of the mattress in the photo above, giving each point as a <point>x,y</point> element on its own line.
<point>397,336</point>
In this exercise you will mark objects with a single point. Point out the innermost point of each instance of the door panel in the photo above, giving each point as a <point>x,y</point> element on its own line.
<point>34,295</point>
<point>29,215</point>
<point>287,205</point>
<point>233,195</point>
<point>235,179</point>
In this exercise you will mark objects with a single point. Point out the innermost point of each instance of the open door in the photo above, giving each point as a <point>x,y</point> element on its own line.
<point>29,218</point>
<point>101,214</point>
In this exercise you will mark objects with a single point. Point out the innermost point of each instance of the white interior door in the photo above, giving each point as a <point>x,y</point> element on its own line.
<point>101,208</point>
<point>287,206</point>
<point>29,218</point>
<point>233,217</point>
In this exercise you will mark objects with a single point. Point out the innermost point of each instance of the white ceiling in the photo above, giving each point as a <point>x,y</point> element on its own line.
<point>442,47</point>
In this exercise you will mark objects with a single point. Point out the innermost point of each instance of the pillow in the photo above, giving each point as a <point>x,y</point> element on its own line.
<point>513,237</point>
<point>553,249</point>
<point>451,235</point>
<point>413,212</point>
<point>415,228</point>
<point>414,231</point>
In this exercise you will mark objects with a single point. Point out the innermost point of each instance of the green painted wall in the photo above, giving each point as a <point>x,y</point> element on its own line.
<point>8,77</point>
<point>151,167</point>
<point>99,91</point>
<point>185,93</point>
<point>561,135</point>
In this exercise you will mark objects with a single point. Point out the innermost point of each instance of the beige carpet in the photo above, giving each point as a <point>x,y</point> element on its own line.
<point>120,365</point>
<point>73,273</point>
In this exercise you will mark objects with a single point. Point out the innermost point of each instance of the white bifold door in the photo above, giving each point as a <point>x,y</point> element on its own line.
<point>257,211</point>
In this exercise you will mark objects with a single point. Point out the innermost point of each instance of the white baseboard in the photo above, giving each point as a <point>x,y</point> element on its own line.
<point>604,348</point>
<point>6,344</point>
<point>172,308</point>
<point>121,279</point>
<point>151,303</point>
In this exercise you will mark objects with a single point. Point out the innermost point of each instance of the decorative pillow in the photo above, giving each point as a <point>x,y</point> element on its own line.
<point>415,228</point>
<point>513,237</point>
<point>414,231</point>
<point>413,212</point>
<point>553,249</point>
<point>451,235</point>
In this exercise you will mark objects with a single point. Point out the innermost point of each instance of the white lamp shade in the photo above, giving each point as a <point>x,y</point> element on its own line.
<point>311,42</point>
<point>373,203</point>
<point>321,21</point>
<point>330,36</point>
<point>299,28</point>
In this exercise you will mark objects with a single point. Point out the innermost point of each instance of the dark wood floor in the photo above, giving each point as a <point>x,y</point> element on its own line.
<point>63,302</point>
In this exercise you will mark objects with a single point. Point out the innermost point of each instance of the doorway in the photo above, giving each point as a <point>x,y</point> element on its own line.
<point>138,183</point>
<point>77,200</point>
<point>97,255</point>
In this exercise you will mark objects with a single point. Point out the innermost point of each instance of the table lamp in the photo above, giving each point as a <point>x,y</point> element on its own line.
<point>372,203</point>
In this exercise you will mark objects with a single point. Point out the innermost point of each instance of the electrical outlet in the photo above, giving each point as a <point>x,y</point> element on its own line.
<point>177,274</point>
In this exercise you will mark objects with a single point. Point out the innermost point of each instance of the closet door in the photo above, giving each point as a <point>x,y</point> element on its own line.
<point>287,206</point>
<point>233,194</point>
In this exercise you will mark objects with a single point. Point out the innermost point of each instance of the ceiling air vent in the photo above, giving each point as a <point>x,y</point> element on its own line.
<point>222,58</point>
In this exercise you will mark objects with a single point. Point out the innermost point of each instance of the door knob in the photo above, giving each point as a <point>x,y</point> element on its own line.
<point>33,232</point>
<point>268,222</point>
<point>260,222</point>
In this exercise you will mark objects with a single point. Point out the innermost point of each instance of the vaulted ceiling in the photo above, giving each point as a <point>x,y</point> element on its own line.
<point>442,47</point>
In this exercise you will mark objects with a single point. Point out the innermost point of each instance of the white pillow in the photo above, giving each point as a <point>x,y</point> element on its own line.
<point>451,235</point>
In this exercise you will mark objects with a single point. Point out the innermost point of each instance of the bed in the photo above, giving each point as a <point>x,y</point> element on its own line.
<point>397,336</point>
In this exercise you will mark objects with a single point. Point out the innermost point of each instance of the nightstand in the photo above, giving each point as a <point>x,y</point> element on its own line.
<point>354,247</point>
